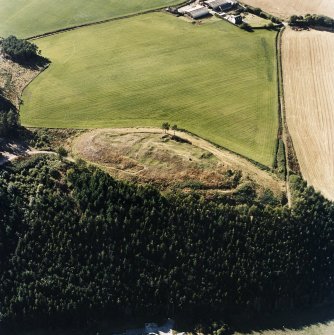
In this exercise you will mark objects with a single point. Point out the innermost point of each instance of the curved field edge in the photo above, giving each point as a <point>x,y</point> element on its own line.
<point>29,18</point>
<point>214,80</point>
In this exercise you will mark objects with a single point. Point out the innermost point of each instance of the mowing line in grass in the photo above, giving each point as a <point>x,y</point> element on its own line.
<point>213,79</point>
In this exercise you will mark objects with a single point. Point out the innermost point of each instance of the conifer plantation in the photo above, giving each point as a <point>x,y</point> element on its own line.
<point>77,246</point>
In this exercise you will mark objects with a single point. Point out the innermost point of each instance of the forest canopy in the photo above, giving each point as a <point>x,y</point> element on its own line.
<point>77,245</point>
<point>18,49</point>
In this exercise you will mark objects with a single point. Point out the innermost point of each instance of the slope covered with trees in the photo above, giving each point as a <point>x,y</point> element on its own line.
<point>76,245</point>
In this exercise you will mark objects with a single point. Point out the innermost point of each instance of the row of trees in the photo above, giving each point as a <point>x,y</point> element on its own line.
<point>311,20</point>
<point>166,126</point>
<point>76,245</point>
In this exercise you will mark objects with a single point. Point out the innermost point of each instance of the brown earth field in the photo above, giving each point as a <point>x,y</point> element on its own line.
<point>286,8</point>
<point>183,162</point>
<point>308,74</point>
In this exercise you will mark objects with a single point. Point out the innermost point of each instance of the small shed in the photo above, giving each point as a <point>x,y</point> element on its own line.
<point>219,4</point>
<point>236,19</point>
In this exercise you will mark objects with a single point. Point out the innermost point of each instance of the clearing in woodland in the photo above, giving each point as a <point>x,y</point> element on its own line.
<point>27,18</point>
<point>174,160</point>
<point>286,8</point>
<point>308,71</point>
<point>212,79</point>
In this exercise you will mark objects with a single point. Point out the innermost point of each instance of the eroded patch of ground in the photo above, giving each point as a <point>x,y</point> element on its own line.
<point>147,155</point>
<point>14,78</point>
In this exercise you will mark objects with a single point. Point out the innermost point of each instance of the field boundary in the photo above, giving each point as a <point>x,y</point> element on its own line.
<point>94,23</point>
<point>291,161</point>
<point>185,131</point>
<point>257,164</point>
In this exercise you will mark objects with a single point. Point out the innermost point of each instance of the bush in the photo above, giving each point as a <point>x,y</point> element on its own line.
<point>9,122</point>
<point>245,26</point>
<point>62,152</point>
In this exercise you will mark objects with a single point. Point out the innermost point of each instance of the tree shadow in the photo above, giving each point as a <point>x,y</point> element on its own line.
<point>35,63</point>
<point>287,320</point>
<point>5,104</point>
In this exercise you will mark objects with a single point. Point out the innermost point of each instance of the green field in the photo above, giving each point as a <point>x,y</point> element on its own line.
<point>25,18</point>
<point>214,79</point>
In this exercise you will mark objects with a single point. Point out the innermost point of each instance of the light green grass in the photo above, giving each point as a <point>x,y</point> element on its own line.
<point>214,79</point>
<point>25,18</point>
<point>256,21</point>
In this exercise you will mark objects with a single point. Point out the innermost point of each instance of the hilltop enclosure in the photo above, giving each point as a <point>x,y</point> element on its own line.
<point>212,79</point>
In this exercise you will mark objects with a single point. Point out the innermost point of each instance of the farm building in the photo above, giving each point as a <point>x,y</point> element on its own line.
<point>194,12</point>
<point>236,19</point>
<point>219,4</point>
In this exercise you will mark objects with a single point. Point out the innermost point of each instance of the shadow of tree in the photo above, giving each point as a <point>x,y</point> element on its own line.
<point>290,319</point>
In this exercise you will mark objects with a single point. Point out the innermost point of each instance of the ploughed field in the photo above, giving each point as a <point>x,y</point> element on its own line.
<point>286,8</point>
<point>27,18</point>
<point>309,85</point>
<point>212,79</point>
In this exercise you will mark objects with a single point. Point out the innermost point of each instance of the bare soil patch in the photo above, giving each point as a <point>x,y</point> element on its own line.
<point>148,156</point>
<point>14,78</point>
<point>308,71</point>
<point>286,8</point>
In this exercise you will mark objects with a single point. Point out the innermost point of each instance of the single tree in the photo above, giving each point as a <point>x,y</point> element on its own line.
<point>165,126</point>
<point>62,152</point>
<point>174,127</point>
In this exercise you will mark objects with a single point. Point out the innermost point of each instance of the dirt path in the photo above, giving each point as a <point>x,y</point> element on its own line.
<point>262,177</point>
<point>9,157</point>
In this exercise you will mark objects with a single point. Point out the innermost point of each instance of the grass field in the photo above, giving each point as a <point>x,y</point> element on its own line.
<point>286,8</point>
<point>213,79</point>
<point>27,18</point>
<point>309,84</point>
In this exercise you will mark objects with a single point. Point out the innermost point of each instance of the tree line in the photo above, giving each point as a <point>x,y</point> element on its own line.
<point>311,20</point>
<point>77,245</point>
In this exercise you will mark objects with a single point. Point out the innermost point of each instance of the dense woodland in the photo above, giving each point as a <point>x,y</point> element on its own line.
<point>9,118</point>
<point>77,245</point>
<point>19,50</point>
